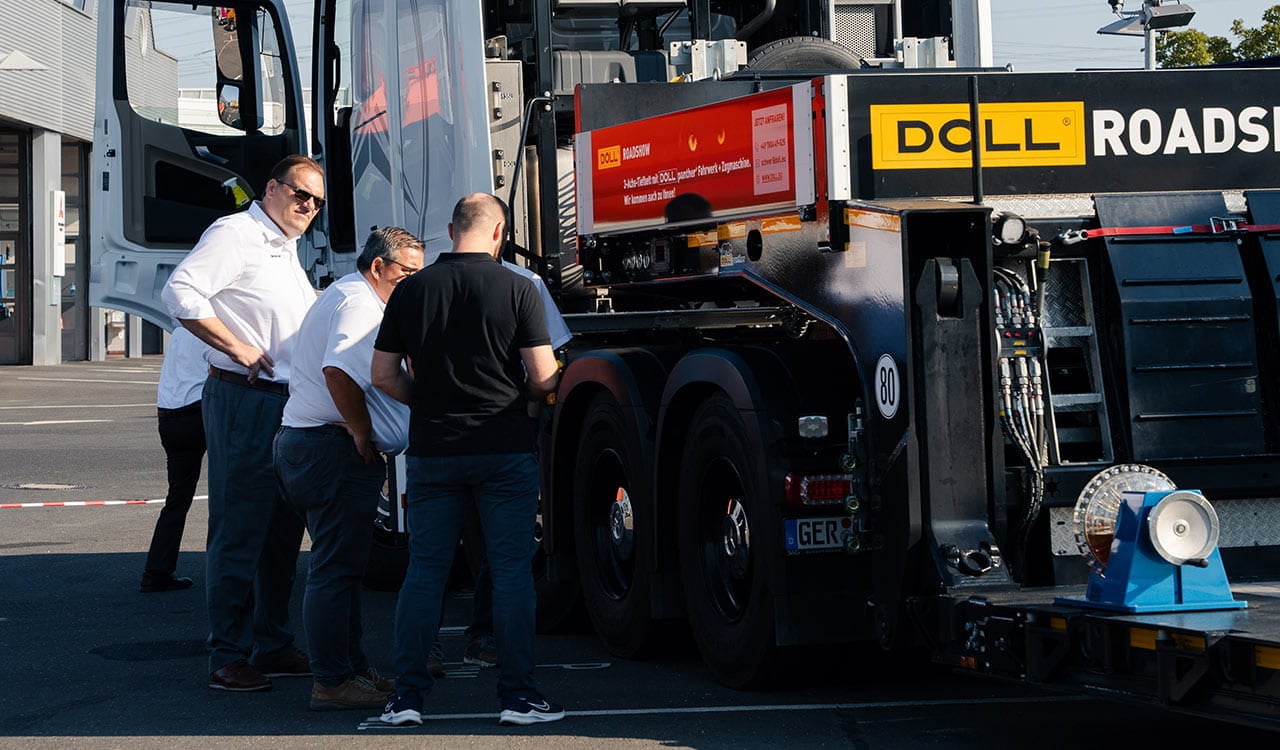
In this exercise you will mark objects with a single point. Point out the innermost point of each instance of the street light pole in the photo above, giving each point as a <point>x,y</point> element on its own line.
<point>1155,16</point>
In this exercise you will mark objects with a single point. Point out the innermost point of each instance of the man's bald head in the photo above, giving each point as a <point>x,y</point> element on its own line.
<point>478,224</point>
<point>476,210</point>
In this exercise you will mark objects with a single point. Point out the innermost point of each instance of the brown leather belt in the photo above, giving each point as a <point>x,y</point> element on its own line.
<point>269,386</point>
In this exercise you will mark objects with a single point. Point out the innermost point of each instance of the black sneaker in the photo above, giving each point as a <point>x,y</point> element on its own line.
<point>532,709</point>
<point>403,709</point>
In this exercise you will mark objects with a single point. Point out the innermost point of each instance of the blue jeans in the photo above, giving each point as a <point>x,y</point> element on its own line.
<point>504,490</point>
<point>327,481</point>
<point>254,536</point>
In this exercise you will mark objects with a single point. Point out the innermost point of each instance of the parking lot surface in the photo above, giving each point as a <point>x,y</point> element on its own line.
<point>90,662</point>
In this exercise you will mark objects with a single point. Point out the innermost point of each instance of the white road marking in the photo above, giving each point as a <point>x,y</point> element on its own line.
<point>53,421</point>
<point>80,406</point>
<point>375,722</point>
<point>93,380</point>
<point>581,666</point>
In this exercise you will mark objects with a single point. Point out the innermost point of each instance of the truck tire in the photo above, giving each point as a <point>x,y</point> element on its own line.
<point>804,53</point>
<point>559,603</point>
<point>388,561</point>
<point>611,516</point>
<point>471,552</point>
<point>722,562</point>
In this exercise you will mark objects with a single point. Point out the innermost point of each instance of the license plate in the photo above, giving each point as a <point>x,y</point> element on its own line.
<point>805,534</point>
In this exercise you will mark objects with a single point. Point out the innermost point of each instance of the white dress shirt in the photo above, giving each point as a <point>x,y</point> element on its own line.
<point>339,331</point>
<point>245,273</point>
<point>183,371</point>
<point>557,329</point>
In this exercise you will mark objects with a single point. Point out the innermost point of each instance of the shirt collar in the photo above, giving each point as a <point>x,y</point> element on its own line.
<point>452,257</point>
<point>271,233</point>
<point>368,285</point>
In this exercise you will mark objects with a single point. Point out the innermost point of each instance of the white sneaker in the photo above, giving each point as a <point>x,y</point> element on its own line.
<point>403,709</point>
<point>531,710</point>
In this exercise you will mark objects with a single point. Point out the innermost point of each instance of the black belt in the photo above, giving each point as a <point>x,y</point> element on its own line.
<point>269,386</point>
<point>324,429</point>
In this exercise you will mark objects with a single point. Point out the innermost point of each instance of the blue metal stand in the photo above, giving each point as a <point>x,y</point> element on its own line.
<point>1137,579</point>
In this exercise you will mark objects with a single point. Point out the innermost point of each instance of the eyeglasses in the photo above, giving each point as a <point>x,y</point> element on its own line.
<point>410,270</point>
<point>303,196</point>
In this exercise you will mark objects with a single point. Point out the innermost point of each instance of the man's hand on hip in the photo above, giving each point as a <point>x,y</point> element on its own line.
<point>253,358</point>
<point>216,334</point>
<point>364,443</point>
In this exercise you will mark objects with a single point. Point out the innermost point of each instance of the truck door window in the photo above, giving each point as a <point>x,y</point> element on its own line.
<point>371,122</point>
<point>210,69</point>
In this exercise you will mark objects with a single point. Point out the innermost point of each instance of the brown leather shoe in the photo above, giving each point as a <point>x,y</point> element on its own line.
<point>385,684</point>
<point>239,677</point>
<point>356,692</point>
<point>287,662</point>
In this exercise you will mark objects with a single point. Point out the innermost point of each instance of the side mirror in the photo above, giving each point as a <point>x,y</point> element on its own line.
<point>229,105</point>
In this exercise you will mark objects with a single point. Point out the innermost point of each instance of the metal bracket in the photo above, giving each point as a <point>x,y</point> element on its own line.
<point>1072,237</point>
<point>1226,224</point>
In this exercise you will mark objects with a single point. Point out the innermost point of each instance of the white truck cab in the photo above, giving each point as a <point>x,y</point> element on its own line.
<point>196,101</point>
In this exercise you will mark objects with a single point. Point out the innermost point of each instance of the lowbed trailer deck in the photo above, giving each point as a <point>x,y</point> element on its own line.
<point>1223,665</point>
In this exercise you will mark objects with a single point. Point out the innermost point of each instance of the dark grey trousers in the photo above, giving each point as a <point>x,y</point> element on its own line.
<point>254,536</point>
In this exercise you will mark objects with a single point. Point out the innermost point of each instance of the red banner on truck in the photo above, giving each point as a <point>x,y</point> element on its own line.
<point>739,156</point>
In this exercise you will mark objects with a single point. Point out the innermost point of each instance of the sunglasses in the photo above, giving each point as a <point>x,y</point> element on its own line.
<point>408,269</point>
<point>303,196</point>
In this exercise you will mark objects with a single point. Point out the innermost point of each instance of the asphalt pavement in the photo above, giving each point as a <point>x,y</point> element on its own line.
<point>88,661</point>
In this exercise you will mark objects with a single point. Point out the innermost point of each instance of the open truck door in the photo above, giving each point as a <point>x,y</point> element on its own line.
<point>196,101</point>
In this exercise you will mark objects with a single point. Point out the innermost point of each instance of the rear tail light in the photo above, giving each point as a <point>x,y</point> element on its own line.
<point>817,490</point>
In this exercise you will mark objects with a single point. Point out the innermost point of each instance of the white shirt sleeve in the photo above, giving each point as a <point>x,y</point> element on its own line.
<point>214,263</point>
<point>557,329</point>
<point>349,348</point>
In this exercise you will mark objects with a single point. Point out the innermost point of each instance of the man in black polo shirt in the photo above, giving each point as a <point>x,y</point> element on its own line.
<point>476,339</point>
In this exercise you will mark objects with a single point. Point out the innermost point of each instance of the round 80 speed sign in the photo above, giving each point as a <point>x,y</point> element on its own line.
<point>887,386</point>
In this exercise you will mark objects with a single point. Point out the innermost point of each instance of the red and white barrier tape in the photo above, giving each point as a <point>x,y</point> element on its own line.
<point>81,503</point>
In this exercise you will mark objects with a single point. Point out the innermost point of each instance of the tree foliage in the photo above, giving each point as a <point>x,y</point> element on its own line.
<point>1176,49</point>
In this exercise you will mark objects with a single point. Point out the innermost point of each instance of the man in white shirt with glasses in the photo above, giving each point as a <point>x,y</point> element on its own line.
<point>329,459</point>
<point>243,292</point>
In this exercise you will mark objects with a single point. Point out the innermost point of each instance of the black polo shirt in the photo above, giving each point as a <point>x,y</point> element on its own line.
<point>462,322</point>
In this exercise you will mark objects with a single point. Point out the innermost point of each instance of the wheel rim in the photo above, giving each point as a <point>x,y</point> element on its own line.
<point>724,537</point>
<point>612,525</point>
<point>622,525</point>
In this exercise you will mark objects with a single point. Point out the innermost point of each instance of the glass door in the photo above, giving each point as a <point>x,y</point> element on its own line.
<point>75,282</point>
<point>15,256</point>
